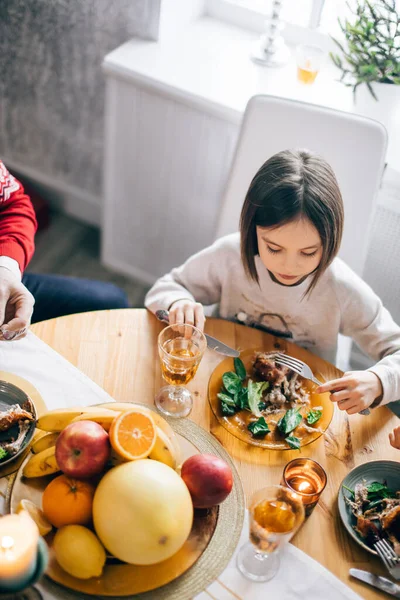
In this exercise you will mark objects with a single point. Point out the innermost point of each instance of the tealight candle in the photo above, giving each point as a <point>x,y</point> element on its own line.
<point>19,537</point>
<point>307,478</point>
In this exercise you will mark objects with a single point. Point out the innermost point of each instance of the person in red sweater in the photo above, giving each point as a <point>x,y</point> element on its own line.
<point>33,297</point>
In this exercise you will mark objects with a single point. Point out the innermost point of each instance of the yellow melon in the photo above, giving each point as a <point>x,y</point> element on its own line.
<point>142,512</point>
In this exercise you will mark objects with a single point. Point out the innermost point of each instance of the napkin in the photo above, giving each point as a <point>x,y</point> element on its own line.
<point>299,577</point>
<point>61,384</point>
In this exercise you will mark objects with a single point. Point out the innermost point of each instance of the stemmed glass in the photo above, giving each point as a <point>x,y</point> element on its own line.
<point>275,514</point>
<point>181,348</point>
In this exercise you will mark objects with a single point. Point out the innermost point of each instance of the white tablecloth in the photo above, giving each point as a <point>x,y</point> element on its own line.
<point>299,576</point>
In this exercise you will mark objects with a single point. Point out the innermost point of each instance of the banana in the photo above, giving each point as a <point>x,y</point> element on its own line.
<point>41,464</point>
<point>115,459</point>
<point>58,419</point>
<point>164,450</point>
<point>46,441</point>
<point>102,416</point>
<point>119,406</point>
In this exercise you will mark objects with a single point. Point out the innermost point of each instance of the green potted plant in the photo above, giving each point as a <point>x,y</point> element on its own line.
<point>369,61</point>
<point>370,53</point>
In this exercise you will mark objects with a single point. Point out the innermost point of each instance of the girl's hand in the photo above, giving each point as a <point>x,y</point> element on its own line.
<point>394,437</point>
<point>353,392</point>
<point>187,311</point>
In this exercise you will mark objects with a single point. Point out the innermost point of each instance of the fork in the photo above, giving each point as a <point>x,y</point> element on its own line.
<point>301,368</point>
<point>389,558</point>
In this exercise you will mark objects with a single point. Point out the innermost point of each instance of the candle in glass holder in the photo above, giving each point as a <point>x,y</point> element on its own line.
<point>19,537</point>
<point>307,478</point>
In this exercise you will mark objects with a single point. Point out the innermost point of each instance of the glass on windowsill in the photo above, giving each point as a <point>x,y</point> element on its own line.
<point>181,348</point>
<point>306,478</point>
<point>275,514</point>
<point>309,60</point>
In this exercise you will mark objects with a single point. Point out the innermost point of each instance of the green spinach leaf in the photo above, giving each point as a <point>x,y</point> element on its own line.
<point>289,421</point>
<point>227,399</point>
<point>240,368</point>
<point>313,416</point>
<point>242,399</point>
<point>293,442</point>
<point>232,382</point>
<point>259,428</point>
<point>378,491</point>
<point>3,454</point>
<point>227,410</point>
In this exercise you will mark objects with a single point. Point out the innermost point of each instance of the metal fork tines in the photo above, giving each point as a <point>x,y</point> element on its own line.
<point>300,367</point>
<point>388,557</point>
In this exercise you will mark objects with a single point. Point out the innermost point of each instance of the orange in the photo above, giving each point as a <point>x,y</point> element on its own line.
<point>133,435</point>
<point>68,501</point>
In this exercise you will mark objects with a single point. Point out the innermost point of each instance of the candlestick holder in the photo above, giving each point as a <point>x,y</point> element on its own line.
<point>307,478</point>
<point>27,591</point>
<point>271,50</point>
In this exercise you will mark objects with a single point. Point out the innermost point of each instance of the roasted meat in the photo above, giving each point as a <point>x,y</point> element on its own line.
<point>13,415</point>
<point>266,369</point>
<point>13,447</point>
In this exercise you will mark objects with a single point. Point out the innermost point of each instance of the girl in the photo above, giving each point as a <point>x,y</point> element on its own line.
<point>281,272</point>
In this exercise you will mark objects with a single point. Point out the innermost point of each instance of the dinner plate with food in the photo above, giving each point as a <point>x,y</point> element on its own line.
<point>369,504</point>
<point>266,404</point>
<point>17,422</point>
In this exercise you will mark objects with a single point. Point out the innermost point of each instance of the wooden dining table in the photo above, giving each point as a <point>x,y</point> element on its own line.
<point>118,350</point>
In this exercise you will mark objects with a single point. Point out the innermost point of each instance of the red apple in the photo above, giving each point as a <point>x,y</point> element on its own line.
<point>208,478</point>
<point>82,449</point>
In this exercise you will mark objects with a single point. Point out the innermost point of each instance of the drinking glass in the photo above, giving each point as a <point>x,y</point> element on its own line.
<point>275,514</point>
<point>308,63</point>
<point>306,478</point>
<point>181,348</point>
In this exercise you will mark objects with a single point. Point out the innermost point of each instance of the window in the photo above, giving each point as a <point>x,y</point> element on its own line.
<point>251,14</point>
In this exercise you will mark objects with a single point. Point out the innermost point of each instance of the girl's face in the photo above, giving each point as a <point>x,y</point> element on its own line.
<point>290,252</point>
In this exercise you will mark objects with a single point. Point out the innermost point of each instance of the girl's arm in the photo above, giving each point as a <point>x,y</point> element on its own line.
<point>197,280</point>
<point>368,322</point>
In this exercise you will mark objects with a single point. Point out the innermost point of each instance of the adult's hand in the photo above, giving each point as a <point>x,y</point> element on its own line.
<point>16,306</point>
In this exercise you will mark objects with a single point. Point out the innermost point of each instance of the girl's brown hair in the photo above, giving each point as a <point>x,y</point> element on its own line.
<point>291,185</point>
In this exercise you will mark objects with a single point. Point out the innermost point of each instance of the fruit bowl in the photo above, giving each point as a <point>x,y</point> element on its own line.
<point>206,552</point>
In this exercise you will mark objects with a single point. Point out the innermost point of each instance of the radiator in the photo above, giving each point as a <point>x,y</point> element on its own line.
<point>382,268</point>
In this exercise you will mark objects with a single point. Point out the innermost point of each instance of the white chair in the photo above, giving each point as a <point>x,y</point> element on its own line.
<point>354,146</point>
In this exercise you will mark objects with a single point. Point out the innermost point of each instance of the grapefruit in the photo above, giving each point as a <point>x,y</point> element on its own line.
<point>142,512</point>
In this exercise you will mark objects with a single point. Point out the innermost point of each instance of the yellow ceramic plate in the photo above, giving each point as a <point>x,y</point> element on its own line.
<point>213,539</point>
<point>237,424</point>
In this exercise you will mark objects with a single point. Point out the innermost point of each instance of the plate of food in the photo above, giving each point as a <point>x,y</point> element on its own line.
<point>17,422</point>
<point>84,492</point>
<point>369,503</point>
<point>267,405</point>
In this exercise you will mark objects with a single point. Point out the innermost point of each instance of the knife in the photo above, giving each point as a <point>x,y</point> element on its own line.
<point>381,583</point>
<point>212,343</point>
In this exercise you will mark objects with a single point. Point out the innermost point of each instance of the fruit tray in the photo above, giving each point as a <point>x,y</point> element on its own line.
<point>212,541</point>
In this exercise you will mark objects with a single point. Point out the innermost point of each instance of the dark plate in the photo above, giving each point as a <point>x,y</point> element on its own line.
<point>11,394</point>
<point>376,470</point>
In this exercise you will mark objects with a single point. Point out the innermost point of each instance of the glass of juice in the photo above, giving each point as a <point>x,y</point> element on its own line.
<point>275,514</point>
<point>181,348</point>
<point>308,62</point>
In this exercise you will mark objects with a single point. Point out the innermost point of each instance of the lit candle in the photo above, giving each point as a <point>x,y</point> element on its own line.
<point>19,537</point>
<point>307,478</point>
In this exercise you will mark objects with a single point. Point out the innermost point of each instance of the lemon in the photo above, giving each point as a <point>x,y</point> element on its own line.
<point>36,514</point>
<point>79,552</point>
